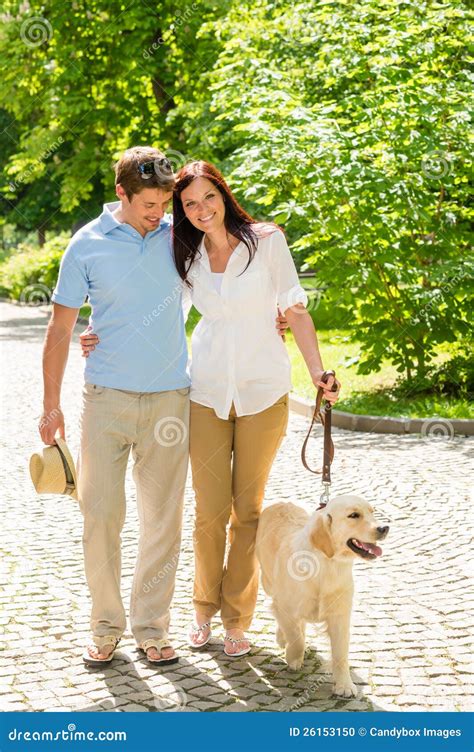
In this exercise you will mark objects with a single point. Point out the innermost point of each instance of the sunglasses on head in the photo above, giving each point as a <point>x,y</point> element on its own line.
<point>155,167</point>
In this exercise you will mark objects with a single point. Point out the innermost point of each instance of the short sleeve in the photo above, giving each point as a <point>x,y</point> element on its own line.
<point>283,272</point>
<point>72,285</point>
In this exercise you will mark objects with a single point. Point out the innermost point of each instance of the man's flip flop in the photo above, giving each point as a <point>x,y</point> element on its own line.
<point>159,645</point>
<point>101,642</point>
<point>195,631</point>
<point>235,641</point>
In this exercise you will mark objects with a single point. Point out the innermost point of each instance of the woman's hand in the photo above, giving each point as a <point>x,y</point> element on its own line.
<point>88,341</point>
<point>329,396</point>
<point>281,325</point>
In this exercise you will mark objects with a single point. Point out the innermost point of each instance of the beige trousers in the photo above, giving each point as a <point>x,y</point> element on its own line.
<point>154,426</point>
<point>231,460</point>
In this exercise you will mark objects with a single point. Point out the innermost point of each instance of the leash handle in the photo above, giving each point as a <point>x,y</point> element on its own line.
<point>325,420</point>
<point>328,452</point>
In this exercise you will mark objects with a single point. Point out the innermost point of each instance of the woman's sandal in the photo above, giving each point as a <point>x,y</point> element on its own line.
<point>159,645</point>
<point>101,642</point>
<point>197,630</point>
<point>235,641</point>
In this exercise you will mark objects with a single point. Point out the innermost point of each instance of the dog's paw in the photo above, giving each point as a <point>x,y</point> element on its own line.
<point>295,664</point>
<point>345,689</point>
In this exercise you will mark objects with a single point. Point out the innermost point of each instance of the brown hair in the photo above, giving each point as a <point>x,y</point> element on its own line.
<point>127,171</point>
<point>186,237</point>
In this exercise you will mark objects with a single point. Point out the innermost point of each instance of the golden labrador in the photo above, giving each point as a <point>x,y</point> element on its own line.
<point>306,566</point>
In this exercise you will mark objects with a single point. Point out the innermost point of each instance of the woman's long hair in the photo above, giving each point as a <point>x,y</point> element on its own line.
<point>186,237</point>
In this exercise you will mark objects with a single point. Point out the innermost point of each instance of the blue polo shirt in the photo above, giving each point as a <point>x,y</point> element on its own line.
<point>136,297</point>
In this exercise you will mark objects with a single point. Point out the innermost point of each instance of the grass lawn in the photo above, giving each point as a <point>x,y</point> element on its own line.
<point>369,395</point>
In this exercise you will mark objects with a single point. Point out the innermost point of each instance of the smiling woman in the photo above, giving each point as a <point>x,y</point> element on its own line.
<point>239,273</point>
<point>203,204</point>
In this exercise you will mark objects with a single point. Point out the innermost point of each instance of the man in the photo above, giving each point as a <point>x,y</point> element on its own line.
<point>136,398</point>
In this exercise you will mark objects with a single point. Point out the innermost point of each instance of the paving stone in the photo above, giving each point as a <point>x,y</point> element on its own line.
<point>190,683</point>
<point>201,705</point>
<point>237,707</point>
<point>15,707</point>
<point>133,708</point>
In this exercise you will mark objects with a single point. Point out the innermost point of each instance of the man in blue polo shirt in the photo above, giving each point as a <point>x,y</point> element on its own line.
<point>135,398</point>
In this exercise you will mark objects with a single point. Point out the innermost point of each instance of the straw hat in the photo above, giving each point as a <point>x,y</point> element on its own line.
<point>52,470</point>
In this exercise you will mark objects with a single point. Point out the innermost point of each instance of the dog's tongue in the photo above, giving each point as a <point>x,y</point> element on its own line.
<point>371,548</point>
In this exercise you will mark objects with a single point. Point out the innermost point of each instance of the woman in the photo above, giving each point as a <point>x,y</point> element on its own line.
<point>237,271</point>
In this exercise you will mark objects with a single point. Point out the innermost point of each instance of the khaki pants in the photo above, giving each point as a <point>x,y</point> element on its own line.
<point>155,427</point>
<point>231,460</point>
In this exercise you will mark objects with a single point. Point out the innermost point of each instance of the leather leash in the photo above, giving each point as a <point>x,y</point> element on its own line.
<point>324,417</point>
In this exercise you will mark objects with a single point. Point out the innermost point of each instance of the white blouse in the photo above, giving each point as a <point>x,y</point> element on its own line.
<point>237,354</point>
<point>217,278</point>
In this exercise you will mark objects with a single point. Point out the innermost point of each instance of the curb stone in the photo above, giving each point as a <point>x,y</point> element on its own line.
<point>383,424</point>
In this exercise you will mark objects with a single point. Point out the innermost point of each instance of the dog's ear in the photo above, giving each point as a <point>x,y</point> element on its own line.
<point>321,535</point>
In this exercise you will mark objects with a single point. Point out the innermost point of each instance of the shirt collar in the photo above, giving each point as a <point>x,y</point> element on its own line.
<point>108,221</point>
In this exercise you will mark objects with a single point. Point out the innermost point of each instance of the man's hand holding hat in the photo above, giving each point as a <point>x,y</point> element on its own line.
<point>52,422</point>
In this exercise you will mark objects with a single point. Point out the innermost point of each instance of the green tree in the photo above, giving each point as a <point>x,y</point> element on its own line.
<point>348,122</point>
<point>81,82</point>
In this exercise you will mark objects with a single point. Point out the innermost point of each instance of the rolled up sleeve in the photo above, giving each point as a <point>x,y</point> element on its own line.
<point>284,274</point>
<point>73,285</point>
